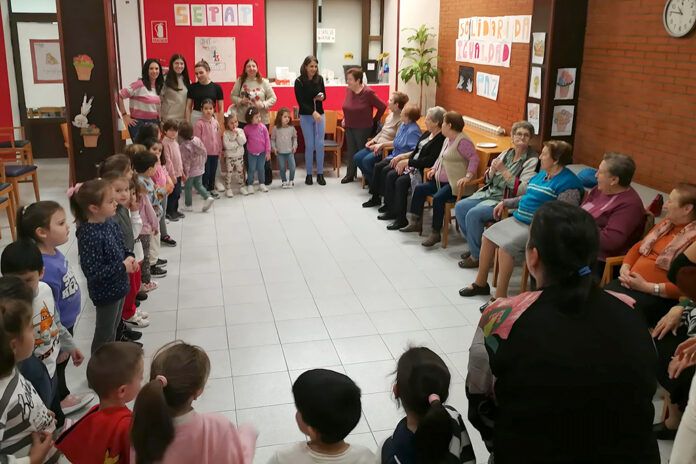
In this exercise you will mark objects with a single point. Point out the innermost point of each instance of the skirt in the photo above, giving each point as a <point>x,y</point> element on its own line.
<point>510,235</point>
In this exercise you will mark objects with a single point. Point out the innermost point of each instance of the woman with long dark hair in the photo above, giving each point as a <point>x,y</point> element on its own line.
<point>143,98</point>
<point>175,90</point>
<point>570,362</point>
<point>310,94</point>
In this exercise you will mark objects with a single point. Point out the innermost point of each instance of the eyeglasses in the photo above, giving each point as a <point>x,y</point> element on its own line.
<point>524,135</point>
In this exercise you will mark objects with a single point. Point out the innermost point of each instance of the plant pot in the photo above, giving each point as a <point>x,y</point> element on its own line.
<point>83,73</point>
<point>90,140</point>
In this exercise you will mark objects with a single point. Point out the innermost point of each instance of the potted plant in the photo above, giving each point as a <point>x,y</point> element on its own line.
<point>83,66</point>
<point>421,57</point>
<point>90,135</point>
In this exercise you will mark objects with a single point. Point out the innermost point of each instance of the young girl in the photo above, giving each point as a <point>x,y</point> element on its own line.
<point>165,426</point>
<point>172,155</point>
<point>259,148</point>
<point>431,430</point>
<point>45,223</point>
<point>104,259</point>
<point>284,145</point>
<point>25,417</point>
<point>148,227</point>
<point>233,141</point>
<point>207,129</point>
<point>193,160</point>
<point>164,186</point>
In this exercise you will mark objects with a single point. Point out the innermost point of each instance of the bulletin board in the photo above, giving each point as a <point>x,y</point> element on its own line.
<point>250,41</point>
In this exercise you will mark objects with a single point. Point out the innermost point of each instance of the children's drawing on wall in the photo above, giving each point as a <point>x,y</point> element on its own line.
<point>533,115</point>
<point>562,120</point>
<point>466,79</point>
<point>535,82</point>
<point>538,47</point>
<point>565,84</point>
<point>220,53</point>
<point>487,85</point>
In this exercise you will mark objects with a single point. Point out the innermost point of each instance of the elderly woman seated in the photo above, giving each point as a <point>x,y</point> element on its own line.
<point>554,182</point>
<point>565,374</point>
<point>404,143</point>
<point>458,160</point>
<point>508,174</point>
<point>616,207</point>
<point>644,278</point>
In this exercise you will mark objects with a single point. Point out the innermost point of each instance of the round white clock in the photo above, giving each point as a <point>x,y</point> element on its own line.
<point>679,17</point>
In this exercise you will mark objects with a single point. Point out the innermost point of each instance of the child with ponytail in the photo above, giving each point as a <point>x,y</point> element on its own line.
<point>431,432</point>
<point>167,430</point>
<point>104,259</point>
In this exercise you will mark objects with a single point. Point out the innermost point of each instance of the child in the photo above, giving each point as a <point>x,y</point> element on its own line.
<point>233,140</point>
<point>207,129</point>
<point>144,164</point>
<point>328,409</point>
<point>172,155</point>
<point>259,148</point>
<point>193,159</point>
<point>23,259</point>
<point>115,373</point>
<point>284,145</point>
<point>149,226</point>
<point>164,184</point>
<point>27,423</point>
<point>149,130</point>
<point>45,223</point>
<point>104,259</point>
<point>166,428</point>
<point>120,162</point>
<point>431,431</point>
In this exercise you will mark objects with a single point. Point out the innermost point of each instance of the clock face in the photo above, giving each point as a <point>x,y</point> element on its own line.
<point>679,17</point>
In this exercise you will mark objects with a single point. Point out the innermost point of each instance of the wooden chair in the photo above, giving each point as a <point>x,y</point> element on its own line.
<point>68,148</point>
<point>18,159</point>
<point>334,144</point>
<point>7,202</point>
<point>613,261</point>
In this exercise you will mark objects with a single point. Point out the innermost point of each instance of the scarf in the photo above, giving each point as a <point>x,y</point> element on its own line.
<point>678,244</point>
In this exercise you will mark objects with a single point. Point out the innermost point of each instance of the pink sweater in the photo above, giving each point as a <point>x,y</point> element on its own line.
<point>209,439</point>
<point>209,133</point>
<point>258,140</point>
<point>173,156</point>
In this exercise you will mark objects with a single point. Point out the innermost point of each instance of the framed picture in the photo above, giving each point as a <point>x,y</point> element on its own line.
<point>45,61</point>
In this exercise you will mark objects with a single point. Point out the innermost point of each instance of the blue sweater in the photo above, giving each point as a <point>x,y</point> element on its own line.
<point>102,251</point>
<point>406,139</point>
<point>66,290</point>
<point>540,190</point>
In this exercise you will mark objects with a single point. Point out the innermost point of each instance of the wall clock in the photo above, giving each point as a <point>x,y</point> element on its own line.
<point>679,17</point>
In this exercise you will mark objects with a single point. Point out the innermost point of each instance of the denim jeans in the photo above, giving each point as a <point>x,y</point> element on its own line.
<point>191,183</point>
<point>211,165</point>
<point>313,133</point>
<point>365,160</point>
<point>256,166</point>
<point>286,161</point>
<point>472,215</point>
<point>34,370</point>
<point>133,130</point>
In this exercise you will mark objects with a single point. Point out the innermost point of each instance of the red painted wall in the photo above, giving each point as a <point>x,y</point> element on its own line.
<point>510,106</point>
<point>5,102</point>
<point>250,40</point>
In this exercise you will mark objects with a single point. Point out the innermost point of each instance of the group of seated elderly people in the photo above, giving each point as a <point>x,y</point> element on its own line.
<point>521,181</point>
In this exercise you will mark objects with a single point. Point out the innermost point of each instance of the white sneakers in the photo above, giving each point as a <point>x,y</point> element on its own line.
<point>219,187</point>
<point>245,191</point>
<point>288,184</point>
<point>263,188</point>
<point>229,193</point>
<point>208,203</point>
<point>187,209</point>
<point>137,321</point>
<point>73,403</point>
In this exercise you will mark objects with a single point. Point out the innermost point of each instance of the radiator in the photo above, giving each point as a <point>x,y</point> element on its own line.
<point>483,126</point>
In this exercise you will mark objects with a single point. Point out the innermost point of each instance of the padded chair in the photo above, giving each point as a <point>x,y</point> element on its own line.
<point>7,202</point>
<point>18,160</point>
<point>333,142</point>
<point>613,261</point>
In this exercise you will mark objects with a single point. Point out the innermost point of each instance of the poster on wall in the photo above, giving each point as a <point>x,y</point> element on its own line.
<point>565,84</point>
<point>538,47</point>
<point>214,14</point>
<point>487,85</point>
<point>466,79</point>
<point>533,115</point>
<point>562,120</point>
<point>45,61</point>
<point>486,52</point>
<point>221,55</point>
<point>535,82</point>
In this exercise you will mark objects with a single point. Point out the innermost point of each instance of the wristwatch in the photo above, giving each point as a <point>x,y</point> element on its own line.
<point>656,289</point>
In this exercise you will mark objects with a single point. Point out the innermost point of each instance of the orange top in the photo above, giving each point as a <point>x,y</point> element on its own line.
<point>645,265</point>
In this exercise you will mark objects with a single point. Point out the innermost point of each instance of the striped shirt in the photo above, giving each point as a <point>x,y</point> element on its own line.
<point>21,413</point>
<point>542,189</point>
<point>143,103</point>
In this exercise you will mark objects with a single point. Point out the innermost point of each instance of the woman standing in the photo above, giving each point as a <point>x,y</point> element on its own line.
<point>252,89</point>
<point>357,117</point>
<point>143,98</point>
<point>175,90</point>
<point>203,89</point>
<point>310,93</point>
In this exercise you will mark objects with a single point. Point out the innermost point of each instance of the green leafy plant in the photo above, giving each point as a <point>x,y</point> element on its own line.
<point>420,58</point>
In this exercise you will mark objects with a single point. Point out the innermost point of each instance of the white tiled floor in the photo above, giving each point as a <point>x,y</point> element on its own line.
<point>274,284</point>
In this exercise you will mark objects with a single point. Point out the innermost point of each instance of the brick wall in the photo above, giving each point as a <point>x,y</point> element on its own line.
<point>510,105</point>
<point>638,92</point>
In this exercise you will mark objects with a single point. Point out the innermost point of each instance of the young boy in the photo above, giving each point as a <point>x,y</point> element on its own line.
<point>115,373</point>
<point>23,259</point>
<point>328,409</point>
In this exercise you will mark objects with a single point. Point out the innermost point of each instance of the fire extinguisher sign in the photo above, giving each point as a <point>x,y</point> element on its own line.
<point>159,32</point>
